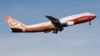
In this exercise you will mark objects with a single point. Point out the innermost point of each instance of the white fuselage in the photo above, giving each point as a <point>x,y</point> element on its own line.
<point>63,20</point>
<point>16,26</point>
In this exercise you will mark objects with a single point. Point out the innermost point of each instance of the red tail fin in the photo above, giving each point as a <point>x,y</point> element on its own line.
<point>14,23</point>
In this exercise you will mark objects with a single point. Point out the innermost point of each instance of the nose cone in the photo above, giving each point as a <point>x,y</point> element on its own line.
<point>93,17</point>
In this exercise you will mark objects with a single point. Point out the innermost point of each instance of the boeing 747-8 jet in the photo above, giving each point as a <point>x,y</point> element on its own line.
<point>55,25</point>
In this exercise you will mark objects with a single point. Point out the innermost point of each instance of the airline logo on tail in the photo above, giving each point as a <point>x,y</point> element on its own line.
<point>13,23</point>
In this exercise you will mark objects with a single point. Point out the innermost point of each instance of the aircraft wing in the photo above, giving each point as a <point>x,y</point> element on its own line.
<point>56,23</point>
<point>51,18</point>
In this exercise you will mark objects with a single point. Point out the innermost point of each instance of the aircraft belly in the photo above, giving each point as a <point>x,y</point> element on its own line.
<point>39,29</point>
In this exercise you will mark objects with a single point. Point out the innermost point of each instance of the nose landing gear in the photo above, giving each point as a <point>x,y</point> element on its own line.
<point>89,22</point>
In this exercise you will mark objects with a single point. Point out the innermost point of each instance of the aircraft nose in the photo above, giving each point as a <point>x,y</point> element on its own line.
<point>93,17</point>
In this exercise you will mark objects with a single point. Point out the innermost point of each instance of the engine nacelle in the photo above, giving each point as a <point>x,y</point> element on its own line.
<point>70,23</point>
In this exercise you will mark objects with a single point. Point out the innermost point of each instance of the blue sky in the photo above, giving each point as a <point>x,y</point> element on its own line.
<point>79,40</point>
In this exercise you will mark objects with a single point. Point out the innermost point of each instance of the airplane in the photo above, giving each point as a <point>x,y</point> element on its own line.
<point>55,25</point>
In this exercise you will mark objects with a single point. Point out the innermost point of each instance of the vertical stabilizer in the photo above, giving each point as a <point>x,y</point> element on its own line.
<point>14,23</point>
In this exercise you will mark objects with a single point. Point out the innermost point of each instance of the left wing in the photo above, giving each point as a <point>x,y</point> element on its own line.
<point>56,23</point>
